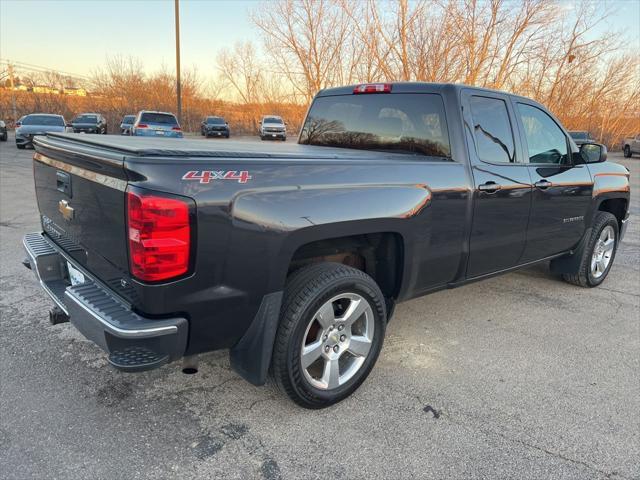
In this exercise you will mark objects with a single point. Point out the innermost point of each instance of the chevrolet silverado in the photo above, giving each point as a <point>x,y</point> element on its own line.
<point>294,256</point>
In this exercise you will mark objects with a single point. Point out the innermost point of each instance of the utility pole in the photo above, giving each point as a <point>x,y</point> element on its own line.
<point>178,87</point>
<point>13,92</point>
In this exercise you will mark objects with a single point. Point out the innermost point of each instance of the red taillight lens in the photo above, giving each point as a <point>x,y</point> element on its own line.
<point>373,88</point>
<point>142,125</point>
<point>176,128</point>
<point>159,234</point>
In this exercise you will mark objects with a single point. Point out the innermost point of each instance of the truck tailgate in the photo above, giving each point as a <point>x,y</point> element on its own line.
<point>81,198</point>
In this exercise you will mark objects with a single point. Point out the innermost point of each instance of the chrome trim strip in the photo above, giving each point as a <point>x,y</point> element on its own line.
<point>105,180</point>
<point>83,150</point>
<point>148,332</point>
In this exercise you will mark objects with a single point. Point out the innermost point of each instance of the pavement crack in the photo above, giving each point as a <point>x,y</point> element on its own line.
<point>547,451</point>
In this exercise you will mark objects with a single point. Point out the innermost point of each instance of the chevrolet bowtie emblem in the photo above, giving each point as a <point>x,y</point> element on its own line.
<point>66,210</point>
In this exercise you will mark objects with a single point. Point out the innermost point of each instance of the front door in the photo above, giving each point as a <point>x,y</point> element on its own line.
<point>562,190</point>
<point>502,194</point>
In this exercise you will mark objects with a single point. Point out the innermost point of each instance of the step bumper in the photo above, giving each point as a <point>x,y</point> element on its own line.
<point>133,342</point>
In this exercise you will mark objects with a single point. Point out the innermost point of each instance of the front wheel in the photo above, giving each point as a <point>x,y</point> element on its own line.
<point>627,151</point>
<point>599,253</point>
<point>331,330</point>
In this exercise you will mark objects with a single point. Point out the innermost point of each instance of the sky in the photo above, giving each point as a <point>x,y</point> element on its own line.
<point>78,36</point>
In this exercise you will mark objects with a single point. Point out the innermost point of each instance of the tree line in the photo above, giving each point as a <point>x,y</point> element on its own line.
<point>562,55</point>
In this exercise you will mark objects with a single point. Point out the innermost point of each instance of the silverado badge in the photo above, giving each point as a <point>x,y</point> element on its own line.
<point>66,210</point>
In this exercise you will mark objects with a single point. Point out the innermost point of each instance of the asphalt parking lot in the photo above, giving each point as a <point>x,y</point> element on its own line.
<point>519,376</point>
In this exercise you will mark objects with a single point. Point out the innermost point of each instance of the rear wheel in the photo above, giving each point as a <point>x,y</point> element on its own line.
<point>331,330</point>
<point>627,151</point>
<point>599,253</point>
<point>21,147</point>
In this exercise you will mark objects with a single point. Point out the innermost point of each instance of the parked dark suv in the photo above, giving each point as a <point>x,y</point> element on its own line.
<point>214,127</point>
<point>89,123</point>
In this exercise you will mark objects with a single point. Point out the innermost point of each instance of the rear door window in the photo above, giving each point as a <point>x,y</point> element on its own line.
<point>492,130</point>
<point>412,123</point>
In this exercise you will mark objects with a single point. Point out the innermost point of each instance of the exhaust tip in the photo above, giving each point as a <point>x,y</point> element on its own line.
<point>190,365</point>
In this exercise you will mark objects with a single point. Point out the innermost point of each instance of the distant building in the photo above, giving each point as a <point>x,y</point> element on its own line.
<point>45,89</point>
<point>77,91</point>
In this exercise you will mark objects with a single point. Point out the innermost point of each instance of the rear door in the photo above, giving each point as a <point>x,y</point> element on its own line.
<point>502,194</point>
<point>562,190</point>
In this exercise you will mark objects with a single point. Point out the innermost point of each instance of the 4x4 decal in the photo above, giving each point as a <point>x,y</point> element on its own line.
<point>206,176</point>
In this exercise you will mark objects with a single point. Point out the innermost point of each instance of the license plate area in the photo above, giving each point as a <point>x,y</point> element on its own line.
<point>76,277</point>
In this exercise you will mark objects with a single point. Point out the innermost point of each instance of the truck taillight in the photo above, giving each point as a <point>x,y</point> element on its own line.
<point>178,129</point>
<point>373,88</point>
<point>159,233</point>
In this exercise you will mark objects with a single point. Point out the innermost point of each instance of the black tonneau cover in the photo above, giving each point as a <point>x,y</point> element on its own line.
<point>187,147</point>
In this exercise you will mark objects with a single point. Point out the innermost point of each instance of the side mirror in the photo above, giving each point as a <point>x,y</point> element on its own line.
<point>593,152</point>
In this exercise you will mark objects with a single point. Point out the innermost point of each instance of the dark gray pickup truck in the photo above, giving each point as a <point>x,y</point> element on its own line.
<point>294,256</point>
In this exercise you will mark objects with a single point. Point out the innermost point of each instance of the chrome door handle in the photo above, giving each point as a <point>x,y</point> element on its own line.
<point>489,187</point>
<point>543,184</point>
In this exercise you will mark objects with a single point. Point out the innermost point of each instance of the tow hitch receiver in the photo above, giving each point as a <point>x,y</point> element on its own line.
<point>57,315</point>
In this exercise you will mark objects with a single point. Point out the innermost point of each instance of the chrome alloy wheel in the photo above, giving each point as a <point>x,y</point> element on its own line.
<point>603,251</point>
<point>337,341</point>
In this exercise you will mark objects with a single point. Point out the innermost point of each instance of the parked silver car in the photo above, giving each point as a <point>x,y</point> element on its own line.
<point>37,124</point>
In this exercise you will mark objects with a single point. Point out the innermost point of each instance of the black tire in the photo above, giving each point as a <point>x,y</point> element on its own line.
<point>21,147</point>
<point>306,291</point>
<point>3,138</point>
<point>627,151</point>
<point>583,277</point>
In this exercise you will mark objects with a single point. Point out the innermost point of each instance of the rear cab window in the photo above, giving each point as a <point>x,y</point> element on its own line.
<point>47,120</point>
<point>412,123</point>
<point>158,118</point>
<point>86,119</point>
